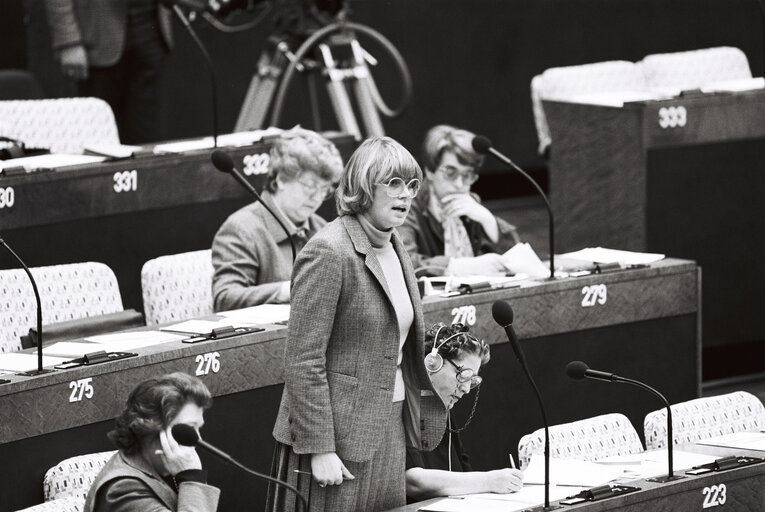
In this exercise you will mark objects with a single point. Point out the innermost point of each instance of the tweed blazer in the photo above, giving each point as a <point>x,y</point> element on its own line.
<point>128,484</point>
<point>342,348</point>
<point>99,26</point>
<point>251,255</point>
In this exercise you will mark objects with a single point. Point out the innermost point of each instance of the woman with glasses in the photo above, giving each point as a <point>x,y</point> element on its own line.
<point>453,361</point>
<point>251,253</point>
<point>356,389</point>
<point>448,230</point>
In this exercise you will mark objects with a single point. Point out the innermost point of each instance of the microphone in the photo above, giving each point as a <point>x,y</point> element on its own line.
<point>483,146</point>
<point>186,435</point>
<point>503,315</point>
<point>578,370</point>
<point>39,370</point>
<point>194,6</point>
<point>224,163</point>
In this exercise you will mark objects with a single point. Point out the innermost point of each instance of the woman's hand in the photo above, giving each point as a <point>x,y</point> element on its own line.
<point>177,458</point>
<point>74,62</point>
<point>464,205</point>
<point>503,481</point>
<point>328,469</point>
<point>485,264</point>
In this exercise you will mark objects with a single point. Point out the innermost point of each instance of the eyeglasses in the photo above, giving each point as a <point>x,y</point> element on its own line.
<point>466,375</point>
<point>316,190</point>
<point>396,187</point>
<point>452,173</point>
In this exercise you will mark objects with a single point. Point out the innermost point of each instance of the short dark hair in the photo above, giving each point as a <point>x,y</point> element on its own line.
<point>153,404</point>
<point>442,138</point>
<point>461,344</point>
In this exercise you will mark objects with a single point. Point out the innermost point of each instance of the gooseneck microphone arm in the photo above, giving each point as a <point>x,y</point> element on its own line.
<point>185,435</point>
<point>208,63</point>
<point>578,370</point>
<point>503,315</point>
<point>223,162</point>
<point>483,146</point>
<point>39,308</point>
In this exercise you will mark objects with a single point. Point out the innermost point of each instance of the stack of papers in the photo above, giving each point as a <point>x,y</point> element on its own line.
<point>528,496</point>
<point>741,440</point>
<point>19,362</point>
<point>262,314</point>
<point>601,255</point>
<point>49,161</point>
<point>653,463</point>
<point>230,139</point>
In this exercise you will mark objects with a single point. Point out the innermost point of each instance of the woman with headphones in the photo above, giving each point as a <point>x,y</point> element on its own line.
<point>453,361</point>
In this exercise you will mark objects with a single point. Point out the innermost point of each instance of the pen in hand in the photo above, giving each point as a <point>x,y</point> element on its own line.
<point>512,461</point>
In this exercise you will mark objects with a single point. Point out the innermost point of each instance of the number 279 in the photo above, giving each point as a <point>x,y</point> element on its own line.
<point>594,294</point>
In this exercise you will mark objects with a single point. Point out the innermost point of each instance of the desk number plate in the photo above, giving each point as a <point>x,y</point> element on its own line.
<point>714,495</point>
<point>594,294</point>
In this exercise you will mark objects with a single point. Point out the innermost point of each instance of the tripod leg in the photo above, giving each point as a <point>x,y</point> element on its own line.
<point>338,95</point>
<point>260,93</point>
<point>369,114</point>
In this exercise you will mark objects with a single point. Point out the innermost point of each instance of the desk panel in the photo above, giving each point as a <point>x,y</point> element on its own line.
<point>647,325</point>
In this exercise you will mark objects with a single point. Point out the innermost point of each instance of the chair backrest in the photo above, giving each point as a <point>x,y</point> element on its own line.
<point>67,292</point>
<point>177,287</point>
<point>589,439</point>
<point>19,84</point>
<point>64,125</point>
<point>692,69</point>
<point>73,477</point>
<point>70,504</point>
<point>564,83</point>
<point>706,417</point>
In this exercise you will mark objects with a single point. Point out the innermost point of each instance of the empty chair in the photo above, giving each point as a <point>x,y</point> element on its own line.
<point>72,477</point>
<point>67,292</point>
<point>692,69</point>
<point>19,84</point>
<point>565,83</point>
<point>589,439</point>
<point>706,417</point>
<point>63,125</point>
<point>177,287</point>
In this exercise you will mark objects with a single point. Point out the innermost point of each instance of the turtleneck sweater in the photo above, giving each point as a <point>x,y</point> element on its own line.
<point>394,277</point>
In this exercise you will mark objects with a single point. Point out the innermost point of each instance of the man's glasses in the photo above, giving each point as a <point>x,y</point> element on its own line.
<point>466,375</point>
<point>452,173</point>
<point>316,190</point>
<point>396,187</point>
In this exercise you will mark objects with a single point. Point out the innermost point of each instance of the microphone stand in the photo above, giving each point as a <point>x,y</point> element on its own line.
<point>208,64</point>
<point>670,473</point>
<point>39,370</point>
<point>551,226</point>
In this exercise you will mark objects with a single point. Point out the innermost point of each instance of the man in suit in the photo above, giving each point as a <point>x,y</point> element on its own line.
<point>115,50</point>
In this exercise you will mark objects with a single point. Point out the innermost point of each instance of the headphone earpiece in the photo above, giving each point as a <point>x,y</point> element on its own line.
<point>434,361</point>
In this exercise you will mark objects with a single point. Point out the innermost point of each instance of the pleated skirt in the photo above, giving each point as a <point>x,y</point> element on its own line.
<point>380,483</point>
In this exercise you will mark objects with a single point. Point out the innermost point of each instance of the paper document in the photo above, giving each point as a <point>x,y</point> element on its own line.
<point>111,150</point>
<point>602,255</point>
<point>71,349</point>
<point>49,161</point>
<point>521,258</point>
<point>742,84</point>
<point>229,139</point>
<point>202,327</point>
<point>742,440</point>
<point>616,98</point>
<point>569,472</point>
<point>125,341</point>
<point>528,496</point>
<point>18,362</point>
<point>262,314</point>
<point>653,463</point>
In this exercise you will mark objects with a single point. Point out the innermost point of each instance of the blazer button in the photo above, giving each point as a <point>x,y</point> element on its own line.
<point>289,420</point>
<point>294,437</point>
<point>424,443</point>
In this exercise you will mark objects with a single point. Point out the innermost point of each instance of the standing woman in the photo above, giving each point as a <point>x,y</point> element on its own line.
<point>356,388</point>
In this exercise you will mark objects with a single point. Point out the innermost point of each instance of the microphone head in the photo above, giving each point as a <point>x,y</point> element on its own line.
<point>185,435</point>
<point>481,144</point>
<point>576,370</point>
<point>502,313</point>
<point>222,161</point>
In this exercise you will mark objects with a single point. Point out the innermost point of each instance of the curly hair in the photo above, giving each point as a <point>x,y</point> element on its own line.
<point>153,404</point>
<point>463,343</point>
<point>442,138</point>
<point>298,151</point>
<point>376,160</point>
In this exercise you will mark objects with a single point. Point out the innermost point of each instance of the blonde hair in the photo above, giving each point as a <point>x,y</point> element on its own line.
<point>298,151</point>
<point>376,160</point>
<point>442,138</point>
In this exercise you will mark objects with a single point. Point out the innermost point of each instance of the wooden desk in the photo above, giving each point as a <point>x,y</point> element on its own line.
<point>740,489</point>
<point>681,177</point>
<point>646,329</point>
<point>125,212</point>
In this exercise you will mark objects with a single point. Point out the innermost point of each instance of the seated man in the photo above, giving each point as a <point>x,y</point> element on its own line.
<point>251,253</point>
<point>447,229</point>
<point>453,360</point>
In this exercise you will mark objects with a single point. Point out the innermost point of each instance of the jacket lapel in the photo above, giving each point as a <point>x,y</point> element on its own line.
<point>154,481</point>
<point>363,246</point>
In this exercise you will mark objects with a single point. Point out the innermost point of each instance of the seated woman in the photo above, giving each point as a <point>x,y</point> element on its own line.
<point>251,253</point>
<point>151,471</point>
<point>453,360</point>
<point>447,230</point>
